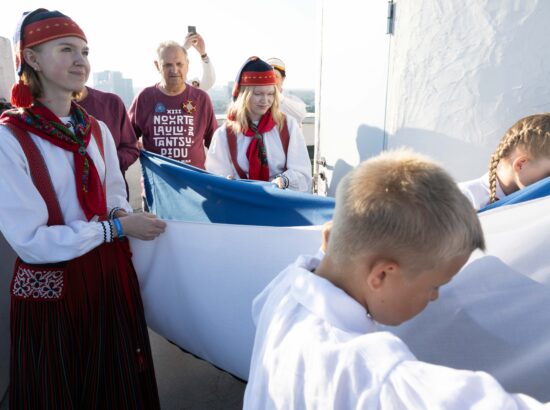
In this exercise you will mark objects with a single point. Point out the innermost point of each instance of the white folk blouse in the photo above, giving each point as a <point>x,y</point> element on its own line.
<point>23,212</point>
<point>218,159</point>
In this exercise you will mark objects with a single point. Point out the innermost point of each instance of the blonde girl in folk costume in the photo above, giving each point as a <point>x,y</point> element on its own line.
<point>522,158</point>
<point>258,141</point>
<point>78,334</point>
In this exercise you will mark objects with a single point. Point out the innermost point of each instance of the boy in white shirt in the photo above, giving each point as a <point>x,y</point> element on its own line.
<point>401,230</point>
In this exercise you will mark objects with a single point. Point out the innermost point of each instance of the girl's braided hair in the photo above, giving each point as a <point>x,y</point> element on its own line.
<point>532,134</point>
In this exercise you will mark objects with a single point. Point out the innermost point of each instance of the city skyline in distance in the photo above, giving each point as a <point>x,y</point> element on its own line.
<point>126,40</point>
<point>220,94</point>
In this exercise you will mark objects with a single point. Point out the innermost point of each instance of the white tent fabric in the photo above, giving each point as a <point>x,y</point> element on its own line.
<point>462,72</point>
<point>448,82</point>
<point>198,282</point>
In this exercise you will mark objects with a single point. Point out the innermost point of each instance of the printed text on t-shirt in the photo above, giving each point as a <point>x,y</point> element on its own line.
<point>173,133</point>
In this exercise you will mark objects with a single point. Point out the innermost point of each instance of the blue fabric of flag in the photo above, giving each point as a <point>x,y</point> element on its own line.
<point>177,191</point>
<point>536,190</point>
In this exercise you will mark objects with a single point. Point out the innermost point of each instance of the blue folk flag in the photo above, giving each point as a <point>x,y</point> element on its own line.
<point>198,280</point>
<point>534,191</point>
<point>181,192</point>
<point>177,191</point>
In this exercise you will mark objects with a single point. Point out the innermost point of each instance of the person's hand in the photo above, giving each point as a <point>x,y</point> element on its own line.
<point>327,226</point>
<point>188,42</point>
<point>196,41</point>
<point>230,177</point>
<point>278,182</point>
<point>142,225</point>
<point>140,144</point>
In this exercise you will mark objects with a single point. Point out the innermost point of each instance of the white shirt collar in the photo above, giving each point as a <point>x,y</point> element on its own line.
<point>330,303</point>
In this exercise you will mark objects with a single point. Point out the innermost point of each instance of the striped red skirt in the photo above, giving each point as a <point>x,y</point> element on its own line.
<point>78,335</point>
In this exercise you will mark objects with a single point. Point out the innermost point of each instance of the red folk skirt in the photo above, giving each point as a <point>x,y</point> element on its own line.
<point>78,335</point>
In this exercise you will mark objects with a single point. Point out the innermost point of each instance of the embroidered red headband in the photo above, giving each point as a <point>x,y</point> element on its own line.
<point>254,72</point>
<point>40,26</point>
<point>34,28</point>
<point>49,29</point>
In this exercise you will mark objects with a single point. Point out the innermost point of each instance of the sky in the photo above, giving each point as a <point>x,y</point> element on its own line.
<point>123,36</point>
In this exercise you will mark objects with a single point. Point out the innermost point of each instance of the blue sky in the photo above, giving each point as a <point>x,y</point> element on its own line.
<point>123,36</point>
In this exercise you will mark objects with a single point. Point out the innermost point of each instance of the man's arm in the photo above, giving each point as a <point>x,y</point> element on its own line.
<point>208,74</point>
<point>212,122</point>
<point>133,117</point>
<point>127,149</point>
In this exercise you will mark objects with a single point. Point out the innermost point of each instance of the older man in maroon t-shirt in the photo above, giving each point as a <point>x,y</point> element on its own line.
<point>173,118</point>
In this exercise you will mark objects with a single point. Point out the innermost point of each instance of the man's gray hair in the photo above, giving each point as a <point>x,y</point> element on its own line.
<point>170,44</point>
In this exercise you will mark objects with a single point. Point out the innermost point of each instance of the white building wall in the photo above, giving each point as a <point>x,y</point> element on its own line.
<point>462,72</point>
<point>459,73</point>
<point>351,90</point>
<point>7,71</point>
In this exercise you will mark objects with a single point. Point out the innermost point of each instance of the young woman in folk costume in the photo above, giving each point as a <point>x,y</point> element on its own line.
<point>78,334</point>
<point>257,141</point>
<point>522,158</point>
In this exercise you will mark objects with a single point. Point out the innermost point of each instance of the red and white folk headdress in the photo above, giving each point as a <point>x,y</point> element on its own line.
<point>254,72</point>
<point>34,28</point>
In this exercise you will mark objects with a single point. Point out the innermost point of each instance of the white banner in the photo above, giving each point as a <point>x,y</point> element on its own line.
<point>198,282</point>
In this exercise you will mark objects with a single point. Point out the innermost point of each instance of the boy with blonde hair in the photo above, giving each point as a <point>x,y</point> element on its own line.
<point>401,230</point>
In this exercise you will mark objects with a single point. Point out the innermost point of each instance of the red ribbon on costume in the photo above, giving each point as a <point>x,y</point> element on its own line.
<point>258,167</point>
<point>89,188</point>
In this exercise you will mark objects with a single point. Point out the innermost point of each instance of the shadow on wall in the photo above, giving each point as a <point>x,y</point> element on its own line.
<point>460,158</point>
<point>369,142</point>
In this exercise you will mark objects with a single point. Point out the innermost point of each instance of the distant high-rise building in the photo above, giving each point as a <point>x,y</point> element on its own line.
<point>113,82</point>
<point>7,71</point>
<point>221,97</point>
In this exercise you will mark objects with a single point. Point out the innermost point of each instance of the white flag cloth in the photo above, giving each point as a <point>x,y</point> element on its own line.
<point>198,282</point>
<point>495,314</point>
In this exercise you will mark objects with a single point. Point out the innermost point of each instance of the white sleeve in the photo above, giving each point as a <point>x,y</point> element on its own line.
<point>475,192</point>
<point>208,75</point>
<point>294,106</point>
<point>298,163</point>
<point>418,385</point>
<point>24,215</point>
<point>115,186</point>
<point>468,194</point>
<point>218,158</point>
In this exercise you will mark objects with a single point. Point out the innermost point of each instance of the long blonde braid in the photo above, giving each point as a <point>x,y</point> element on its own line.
<point>531,133</point>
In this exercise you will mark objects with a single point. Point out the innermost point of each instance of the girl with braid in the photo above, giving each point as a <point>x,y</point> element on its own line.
<point>522,158</point>
<point>78,334</point>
